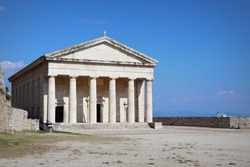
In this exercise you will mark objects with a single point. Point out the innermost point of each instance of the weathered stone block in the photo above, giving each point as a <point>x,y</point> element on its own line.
<point>155,125</point>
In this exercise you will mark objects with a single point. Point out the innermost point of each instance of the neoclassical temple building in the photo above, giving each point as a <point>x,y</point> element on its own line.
<point>100,80</point>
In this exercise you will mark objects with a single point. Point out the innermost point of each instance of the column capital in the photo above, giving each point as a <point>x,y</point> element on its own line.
<point>94,77</point>
<point>150,79</point>
<point>73,76</point>
<point>51,76</point>
<point>113,78</point>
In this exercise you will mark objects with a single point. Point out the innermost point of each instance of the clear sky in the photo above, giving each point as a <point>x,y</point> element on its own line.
<point>203,46</point>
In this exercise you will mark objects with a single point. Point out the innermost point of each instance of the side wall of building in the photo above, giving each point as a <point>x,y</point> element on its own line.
<point>27,91</point>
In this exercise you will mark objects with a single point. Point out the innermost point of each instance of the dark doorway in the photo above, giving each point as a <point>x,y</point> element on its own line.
<point>98,113</point>
<point>59,114</point>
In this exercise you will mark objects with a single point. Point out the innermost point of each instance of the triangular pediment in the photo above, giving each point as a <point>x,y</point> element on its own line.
<point>102,52</point>
<point>102,49</point>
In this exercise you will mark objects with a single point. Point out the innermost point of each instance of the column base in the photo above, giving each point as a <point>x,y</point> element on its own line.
<point>155,125</point>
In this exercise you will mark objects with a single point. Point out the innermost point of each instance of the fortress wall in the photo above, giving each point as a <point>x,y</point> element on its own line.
<point>239,122</point>
<point>13,119</point>
<point>215,122</point>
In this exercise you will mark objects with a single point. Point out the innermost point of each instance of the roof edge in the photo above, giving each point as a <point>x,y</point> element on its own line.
<point>27,68</point>
<point>87,61</point>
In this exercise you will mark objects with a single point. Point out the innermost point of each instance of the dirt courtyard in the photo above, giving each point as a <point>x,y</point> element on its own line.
<point>170,146</point>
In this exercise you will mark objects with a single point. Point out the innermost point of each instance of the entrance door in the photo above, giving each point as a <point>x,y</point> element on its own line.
<point>59,114</point>
<point>98,113</point>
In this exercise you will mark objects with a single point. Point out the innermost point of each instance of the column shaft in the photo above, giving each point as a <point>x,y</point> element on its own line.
<point>149,105</point>
<point>51,100</point>
<point>92,101</point>
<point>141,100</point>
<point>72,100</point>
<point>112,100</point>
<point>131,101</point>
<point>65,115</point>
<point>45,102</point>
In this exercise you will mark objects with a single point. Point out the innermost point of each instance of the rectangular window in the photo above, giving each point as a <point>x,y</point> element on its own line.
<point>28,92</point>
<point>23,99</point>
<point>38,113</point>
<point>16,96</point>
<point>13,95</point>
<point>32,91</point>
<point>38,87</point>
<point>32,113</point>
<point>19,94</point>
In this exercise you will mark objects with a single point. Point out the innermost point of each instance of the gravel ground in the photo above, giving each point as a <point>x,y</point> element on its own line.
<point>170,146</point>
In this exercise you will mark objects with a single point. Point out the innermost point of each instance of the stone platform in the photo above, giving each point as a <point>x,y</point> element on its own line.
<point>78,126</point>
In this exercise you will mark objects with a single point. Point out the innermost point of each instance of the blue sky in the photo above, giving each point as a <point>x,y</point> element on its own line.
<point>203,46</point>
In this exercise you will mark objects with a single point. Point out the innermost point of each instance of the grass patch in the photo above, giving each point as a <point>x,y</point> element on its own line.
<point>39,142</point>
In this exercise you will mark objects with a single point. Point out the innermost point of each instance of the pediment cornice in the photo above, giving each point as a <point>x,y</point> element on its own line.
<point>86,61</point>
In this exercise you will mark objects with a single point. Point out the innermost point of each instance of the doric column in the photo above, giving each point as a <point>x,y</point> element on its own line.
<point>72,99</point>
<point>51,100</point>
<point>65,115</point>
<point>45,102</point>
<point>92,100</point>
<point>112,100</point>
<point>141,100</point>
<point>149,106</point>
<point>131,101</point>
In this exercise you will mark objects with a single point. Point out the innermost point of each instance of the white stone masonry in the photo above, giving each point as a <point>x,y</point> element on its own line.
<point>112,100</point>
<point>92,100</point>
<point>51,100</point>
<point>131,101</point>
<point>149,106</point>
<point>72,99</point>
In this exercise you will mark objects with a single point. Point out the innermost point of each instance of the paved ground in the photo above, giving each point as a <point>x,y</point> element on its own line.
<point>171,146</point>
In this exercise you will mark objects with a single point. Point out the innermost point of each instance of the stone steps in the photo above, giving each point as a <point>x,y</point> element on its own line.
<point>79,126</point>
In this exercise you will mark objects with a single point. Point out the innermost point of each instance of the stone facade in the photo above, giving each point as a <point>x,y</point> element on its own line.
<point>12,119</point>
<point>97,81</point>
<point>215,122</point>
<point>27,90</point>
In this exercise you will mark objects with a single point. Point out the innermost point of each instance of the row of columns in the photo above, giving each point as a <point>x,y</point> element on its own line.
<point>93,101</point>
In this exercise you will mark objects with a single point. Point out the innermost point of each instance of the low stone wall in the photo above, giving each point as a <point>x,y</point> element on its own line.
<point>215,122</point>
<point>21,121</point>
<point>240,122</point>
<point>13,119</point>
